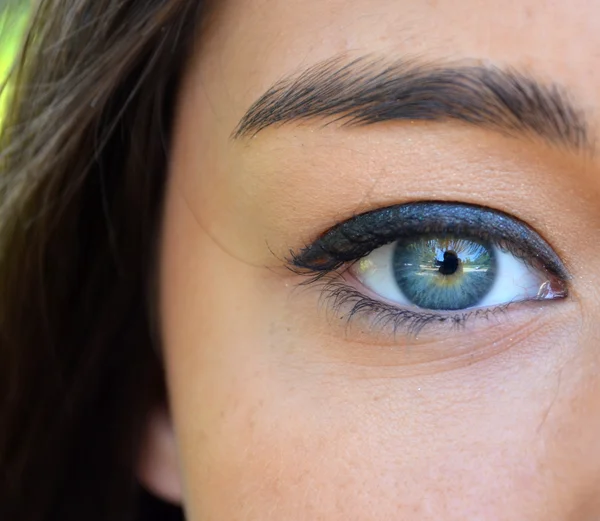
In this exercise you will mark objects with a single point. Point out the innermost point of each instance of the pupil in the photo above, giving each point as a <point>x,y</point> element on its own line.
<point>450,264</point>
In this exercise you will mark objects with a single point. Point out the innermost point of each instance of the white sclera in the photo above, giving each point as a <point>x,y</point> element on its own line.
<point>514,279</point>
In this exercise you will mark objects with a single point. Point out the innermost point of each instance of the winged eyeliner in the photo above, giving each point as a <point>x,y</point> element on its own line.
<point>360,235</point>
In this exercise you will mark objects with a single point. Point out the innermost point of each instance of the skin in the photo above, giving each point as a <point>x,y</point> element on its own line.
<point>280,410</point>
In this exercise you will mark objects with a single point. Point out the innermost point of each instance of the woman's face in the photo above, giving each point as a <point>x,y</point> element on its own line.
<point>399,384</point>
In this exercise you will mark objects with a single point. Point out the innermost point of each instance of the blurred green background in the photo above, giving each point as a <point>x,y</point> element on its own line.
<point>13,18</point>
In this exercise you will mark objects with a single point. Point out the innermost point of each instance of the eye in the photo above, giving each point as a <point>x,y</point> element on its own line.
<point>451,273</point>
<point>427,262</point>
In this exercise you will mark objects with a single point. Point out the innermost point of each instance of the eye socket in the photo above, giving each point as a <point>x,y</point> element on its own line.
<point>426,262</point>
<point>452,272</point>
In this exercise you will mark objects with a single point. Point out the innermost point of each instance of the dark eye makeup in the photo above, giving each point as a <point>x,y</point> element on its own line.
<point>425,226</point>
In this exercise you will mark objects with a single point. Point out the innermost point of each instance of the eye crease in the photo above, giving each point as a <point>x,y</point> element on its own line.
<point>431,260</point>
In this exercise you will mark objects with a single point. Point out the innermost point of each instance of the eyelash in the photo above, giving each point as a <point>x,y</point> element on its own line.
<point>346,301</point>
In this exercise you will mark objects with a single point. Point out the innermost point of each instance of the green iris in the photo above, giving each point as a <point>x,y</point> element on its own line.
<point>444,272</point>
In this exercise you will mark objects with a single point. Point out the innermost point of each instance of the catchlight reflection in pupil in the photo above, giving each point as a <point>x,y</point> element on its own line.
<point>444,273</point>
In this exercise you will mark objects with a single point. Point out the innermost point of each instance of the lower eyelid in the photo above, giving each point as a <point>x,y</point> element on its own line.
<point>366,318</point>
<point>405,344</point>
<point>356,307</point>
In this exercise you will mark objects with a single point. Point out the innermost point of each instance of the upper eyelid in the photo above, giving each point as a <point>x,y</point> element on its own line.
<point>359,235</point>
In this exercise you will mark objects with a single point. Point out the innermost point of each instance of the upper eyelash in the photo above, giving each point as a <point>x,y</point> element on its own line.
<point>358,236</point>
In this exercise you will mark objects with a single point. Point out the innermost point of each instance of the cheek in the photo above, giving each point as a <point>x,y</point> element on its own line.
<point>269,431</point>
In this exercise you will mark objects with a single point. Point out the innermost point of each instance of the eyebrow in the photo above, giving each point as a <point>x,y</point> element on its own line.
<point>366,91</point>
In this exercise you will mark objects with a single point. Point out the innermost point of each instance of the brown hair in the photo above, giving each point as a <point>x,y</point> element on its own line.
<point>82,161</point>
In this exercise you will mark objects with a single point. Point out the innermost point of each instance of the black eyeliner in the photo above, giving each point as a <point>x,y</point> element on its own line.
<point>358,236</point>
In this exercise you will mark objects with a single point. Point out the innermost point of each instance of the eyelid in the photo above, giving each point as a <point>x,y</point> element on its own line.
<point>355,238</point>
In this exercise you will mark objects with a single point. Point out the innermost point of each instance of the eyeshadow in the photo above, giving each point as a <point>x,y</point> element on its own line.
<point>360,235</point>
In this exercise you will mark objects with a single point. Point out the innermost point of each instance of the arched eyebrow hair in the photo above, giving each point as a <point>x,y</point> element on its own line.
<point>366,91</point>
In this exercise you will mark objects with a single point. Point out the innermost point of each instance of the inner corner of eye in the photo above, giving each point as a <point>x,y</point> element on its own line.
<point>553,288</point>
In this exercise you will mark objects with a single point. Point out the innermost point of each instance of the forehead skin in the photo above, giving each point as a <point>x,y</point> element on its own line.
<point>282,415</point>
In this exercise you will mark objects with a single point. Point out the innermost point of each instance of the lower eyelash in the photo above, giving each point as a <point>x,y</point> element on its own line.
<point>350,304</point>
